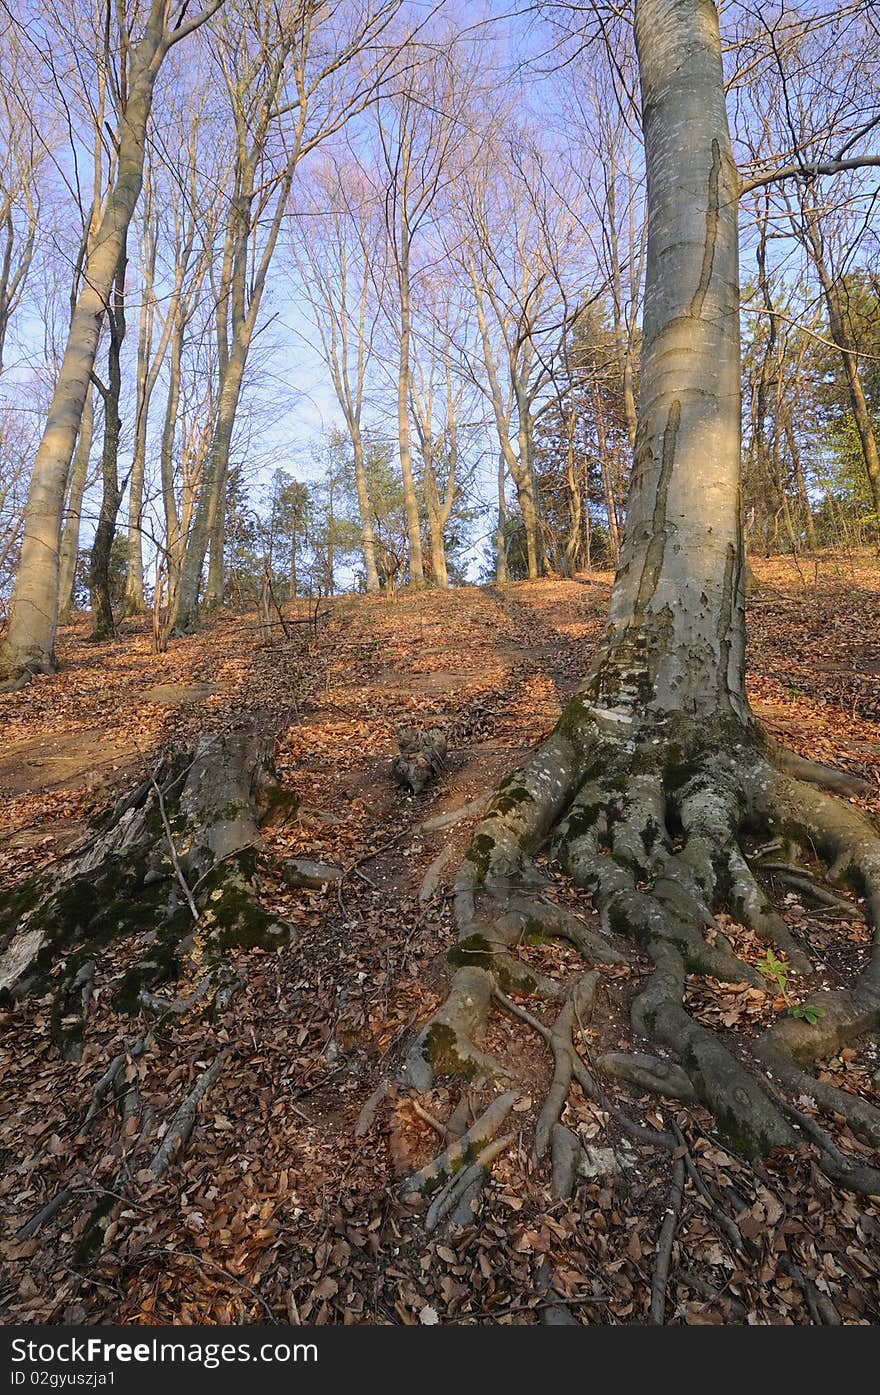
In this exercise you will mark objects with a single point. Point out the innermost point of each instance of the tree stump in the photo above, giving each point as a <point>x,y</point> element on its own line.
<point>422,757</point>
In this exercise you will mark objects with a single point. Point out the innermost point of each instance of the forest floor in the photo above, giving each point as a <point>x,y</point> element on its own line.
<point>275,1211</point>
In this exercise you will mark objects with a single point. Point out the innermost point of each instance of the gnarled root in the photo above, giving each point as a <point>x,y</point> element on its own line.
<point>175,860</point>
<point>455,1178</point>
<point>649,815</point>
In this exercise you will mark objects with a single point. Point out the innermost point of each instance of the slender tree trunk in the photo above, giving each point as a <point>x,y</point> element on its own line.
<point>293,582</point>
<point>527,484</point>
<point>501,573</point>
<point>134,601</point>
<point>216,583</point>
<point>623,345</point>
<point>364,510</point>
<point>69,555</point>
<point>437,509</point>
<point>607,479</point>
<point>798,466</point>
<point>574,540</point>
<point>166,463</point>
<point>103,624</point>
<point>210,507</point>
<point>416,570</point>
<point>629,400</point>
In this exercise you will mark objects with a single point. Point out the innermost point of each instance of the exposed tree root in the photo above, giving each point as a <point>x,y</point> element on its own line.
<point>566,1062</point>
<point>649,815</point>
<point>463,1150</point>
<point>175,861</point>
<point>456,1199</point>
<point>822,1310</point>
<point>181,1125</point>
<point>665,1243</point>
<point>554,1313</point>
<point>651,1073</point>
<point>141,1120</point>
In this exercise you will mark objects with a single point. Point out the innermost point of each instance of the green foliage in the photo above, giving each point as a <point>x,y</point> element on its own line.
<point>806,1011</point>
<point>776,969</point>
<point>779,970</point>
<point>799,435</point>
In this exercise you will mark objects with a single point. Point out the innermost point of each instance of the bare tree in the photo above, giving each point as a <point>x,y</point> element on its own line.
<point>294,76</point>
<point>656,767</point>
<point>29,644</point>
<point>23,153</point>
<point>422,128</point>
<point>336,247</point>
<point>513,230</point>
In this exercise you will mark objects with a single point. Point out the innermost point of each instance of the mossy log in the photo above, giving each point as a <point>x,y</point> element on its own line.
<point>175,861</point>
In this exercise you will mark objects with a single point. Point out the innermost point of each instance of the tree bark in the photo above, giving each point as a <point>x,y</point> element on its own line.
<point>178,855</point>
<point>677,609</point>
<point>365,511</point>
<point>103,624</point>
<point>501,573</point>
<point>69,555</point>
<point>404,434</point>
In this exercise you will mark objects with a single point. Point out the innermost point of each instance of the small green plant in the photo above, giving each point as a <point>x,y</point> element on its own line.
<point>807,1012</point>
<point>779,970</point>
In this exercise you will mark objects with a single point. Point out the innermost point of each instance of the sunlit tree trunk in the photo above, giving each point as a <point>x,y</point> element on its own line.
<point>676,627</point>
<point>404,433</point>
<point>29,644</point>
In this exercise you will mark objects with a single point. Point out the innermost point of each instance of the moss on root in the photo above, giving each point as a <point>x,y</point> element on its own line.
<point>480,853</point>
<point>440,1051</point>
<point>509,796</point>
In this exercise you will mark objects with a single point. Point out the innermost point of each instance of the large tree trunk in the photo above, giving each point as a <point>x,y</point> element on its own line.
<point>677,616</point>
<point>656,776</point>
<point>29,645</point>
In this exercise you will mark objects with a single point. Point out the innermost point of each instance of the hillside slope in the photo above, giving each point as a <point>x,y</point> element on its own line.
<point>275,1211</point>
